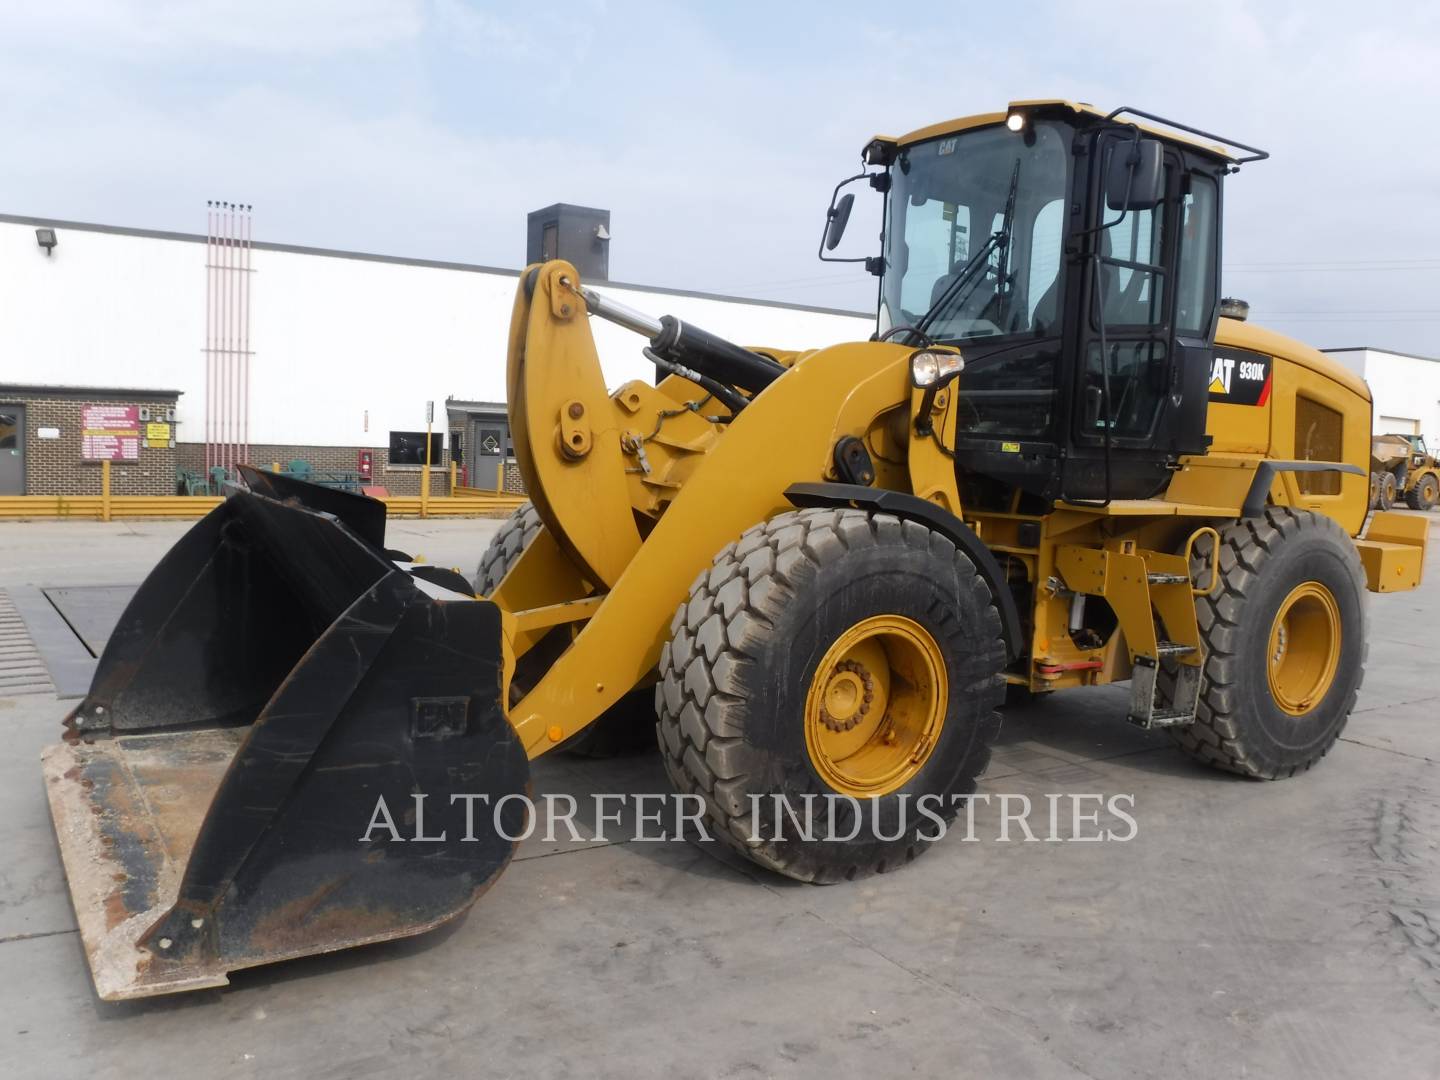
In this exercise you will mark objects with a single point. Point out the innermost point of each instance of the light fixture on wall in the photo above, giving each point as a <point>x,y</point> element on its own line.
<point>46,239</point>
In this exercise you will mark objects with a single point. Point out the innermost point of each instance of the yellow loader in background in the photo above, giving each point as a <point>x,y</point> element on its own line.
<point>802,573</point>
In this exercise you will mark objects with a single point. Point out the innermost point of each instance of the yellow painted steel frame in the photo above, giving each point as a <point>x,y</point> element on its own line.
<point>627,531</point>
<point>561,419</point>
<point>783,437</point>
<point>1104,547</point>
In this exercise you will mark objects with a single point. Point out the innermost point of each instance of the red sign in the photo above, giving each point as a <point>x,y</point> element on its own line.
<point>110,432</point>
<point>367,464</point>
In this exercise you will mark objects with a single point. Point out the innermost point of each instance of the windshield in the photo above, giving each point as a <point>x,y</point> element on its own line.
<point>948,205</point>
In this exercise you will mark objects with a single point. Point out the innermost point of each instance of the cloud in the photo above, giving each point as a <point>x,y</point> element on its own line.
<point>431,128</point>
<point>118,27</point>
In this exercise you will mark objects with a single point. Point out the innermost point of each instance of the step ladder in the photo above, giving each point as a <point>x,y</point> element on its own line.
<point>1151,594</point>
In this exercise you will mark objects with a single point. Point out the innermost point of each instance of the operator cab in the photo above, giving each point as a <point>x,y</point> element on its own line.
<point>1074,259</point>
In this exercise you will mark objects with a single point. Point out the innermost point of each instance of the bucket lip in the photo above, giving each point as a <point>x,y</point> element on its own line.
<point>95,863</point>
<point>120,968</point>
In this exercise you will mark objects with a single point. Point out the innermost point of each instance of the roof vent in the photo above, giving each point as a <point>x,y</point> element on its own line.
<point>1231,308</point>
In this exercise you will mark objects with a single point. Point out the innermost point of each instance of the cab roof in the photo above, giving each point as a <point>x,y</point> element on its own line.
<point>1079,108</point>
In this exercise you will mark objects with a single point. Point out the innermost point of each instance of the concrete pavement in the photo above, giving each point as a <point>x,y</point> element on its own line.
<point>1271,929</point>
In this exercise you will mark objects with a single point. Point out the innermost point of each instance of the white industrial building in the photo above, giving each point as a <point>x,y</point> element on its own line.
<point>1406,389</point>
<point>344,347</point>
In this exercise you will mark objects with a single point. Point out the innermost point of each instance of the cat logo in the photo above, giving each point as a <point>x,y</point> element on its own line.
<point>1240,378</point>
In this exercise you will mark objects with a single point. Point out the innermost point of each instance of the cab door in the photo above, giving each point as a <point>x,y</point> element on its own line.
<point>1146,329</point>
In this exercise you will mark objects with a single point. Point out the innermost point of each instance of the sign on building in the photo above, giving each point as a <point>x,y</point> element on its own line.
<point>110,432</point>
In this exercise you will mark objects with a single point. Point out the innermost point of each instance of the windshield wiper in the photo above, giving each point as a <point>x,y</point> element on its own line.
<point>998,240</point>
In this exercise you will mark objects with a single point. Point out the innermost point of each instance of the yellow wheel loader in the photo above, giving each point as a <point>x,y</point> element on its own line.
<point>1055,464</point>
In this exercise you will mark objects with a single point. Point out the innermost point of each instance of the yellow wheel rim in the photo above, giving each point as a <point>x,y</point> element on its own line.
<point>1304,648</point>
<point>876,706</point>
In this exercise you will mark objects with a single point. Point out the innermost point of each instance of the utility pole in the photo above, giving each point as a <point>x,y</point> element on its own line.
<point>425,476</point>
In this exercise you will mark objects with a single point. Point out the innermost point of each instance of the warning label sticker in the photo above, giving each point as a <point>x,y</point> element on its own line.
<point>1238,377</point>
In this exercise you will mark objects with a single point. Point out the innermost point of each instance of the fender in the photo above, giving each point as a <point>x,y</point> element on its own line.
<point>913,508</point>
<point>1267,470</point>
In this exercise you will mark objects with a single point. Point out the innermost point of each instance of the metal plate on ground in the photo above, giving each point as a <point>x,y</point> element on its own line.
<point>91,610</point>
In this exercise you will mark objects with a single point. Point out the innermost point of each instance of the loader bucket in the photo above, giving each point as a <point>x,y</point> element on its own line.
<point>277,710</point>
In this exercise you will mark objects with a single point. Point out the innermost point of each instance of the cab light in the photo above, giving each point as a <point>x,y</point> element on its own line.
<point>931,367</point>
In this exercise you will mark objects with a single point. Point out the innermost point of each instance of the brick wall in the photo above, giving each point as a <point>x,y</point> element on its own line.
<point>54,466</point>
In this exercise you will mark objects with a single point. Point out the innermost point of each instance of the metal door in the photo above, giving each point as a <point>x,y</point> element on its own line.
<point>12,449</point>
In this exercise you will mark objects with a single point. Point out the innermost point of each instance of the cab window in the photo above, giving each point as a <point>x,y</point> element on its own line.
<point>1195,285</point>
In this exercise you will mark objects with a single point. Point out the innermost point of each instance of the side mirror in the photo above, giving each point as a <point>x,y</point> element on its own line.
<point>1135,179</point>
<point>837,219</point>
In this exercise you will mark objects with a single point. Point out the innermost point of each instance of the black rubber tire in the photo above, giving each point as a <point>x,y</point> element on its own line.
<point>1238,727</point>
<point>505,547</point>
<point>1424,494</point>
<point>1387,491</point>
<point>743,652</point>
<point>627,727</point>
<point>1375,482</point>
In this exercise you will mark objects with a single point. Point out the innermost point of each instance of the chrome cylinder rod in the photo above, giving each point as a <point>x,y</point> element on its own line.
<point>628,317</point>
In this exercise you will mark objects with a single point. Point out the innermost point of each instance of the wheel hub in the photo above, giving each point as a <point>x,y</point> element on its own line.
<point>848,696</point>
<point>876,706</point>
<point>1304,652</point>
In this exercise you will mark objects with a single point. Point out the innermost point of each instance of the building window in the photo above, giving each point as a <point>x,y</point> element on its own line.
<point>408,447</point>
<point>549,242</point>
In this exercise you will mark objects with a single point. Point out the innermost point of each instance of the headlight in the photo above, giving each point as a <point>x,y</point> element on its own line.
<point>931,367</point>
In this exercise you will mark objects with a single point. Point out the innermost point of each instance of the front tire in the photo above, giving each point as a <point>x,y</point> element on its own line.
<point>830,652</point>
<point>1425,494</point>
<point>1285,645</point>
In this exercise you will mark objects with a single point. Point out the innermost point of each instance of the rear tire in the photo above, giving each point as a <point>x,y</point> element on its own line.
<point>1269,706</point>
<point>627,726</point>
<point>1425,493</point>
<point>1375,482</point>
<point>1387,491</point>
<point>742,674</point>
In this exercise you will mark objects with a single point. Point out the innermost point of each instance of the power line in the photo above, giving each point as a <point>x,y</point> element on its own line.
<point>1311,269</point>
<point>1340,262</point>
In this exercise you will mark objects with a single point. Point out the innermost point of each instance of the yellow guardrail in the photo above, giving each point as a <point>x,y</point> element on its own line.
<point>461,505</point>
<point>99,508</point>
<point>465,502</point>
<point>462,492</point>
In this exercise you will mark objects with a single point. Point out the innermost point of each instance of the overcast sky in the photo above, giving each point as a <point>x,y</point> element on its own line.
<point>714,132</point>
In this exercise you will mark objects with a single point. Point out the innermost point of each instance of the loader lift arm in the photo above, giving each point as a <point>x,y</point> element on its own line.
<point>828,393</point>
